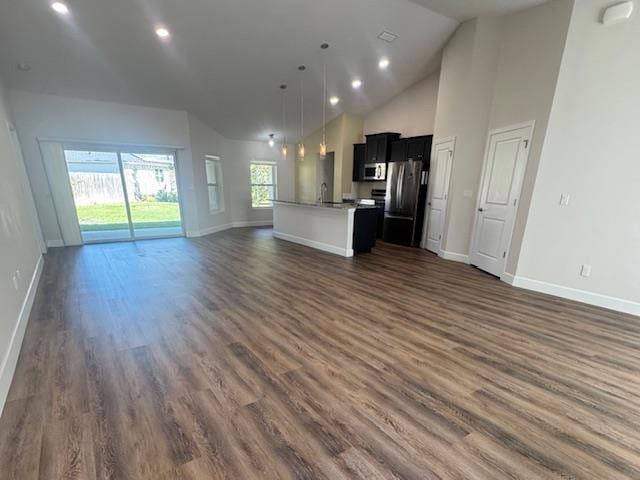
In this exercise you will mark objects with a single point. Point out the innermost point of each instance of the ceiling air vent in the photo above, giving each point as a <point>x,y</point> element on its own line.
<point>387,36</point>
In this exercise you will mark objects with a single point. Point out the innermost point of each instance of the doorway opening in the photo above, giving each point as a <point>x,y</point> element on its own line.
<point>124,195</point>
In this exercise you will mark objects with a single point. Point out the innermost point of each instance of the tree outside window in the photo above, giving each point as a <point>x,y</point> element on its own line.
<point>263,185</point>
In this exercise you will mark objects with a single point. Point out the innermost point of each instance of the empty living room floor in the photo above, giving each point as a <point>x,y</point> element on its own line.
<point>238,356</point>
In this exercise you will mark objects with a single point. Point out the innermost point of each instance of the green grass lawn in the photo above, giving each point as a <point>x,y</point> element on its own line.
<point>114,216</point>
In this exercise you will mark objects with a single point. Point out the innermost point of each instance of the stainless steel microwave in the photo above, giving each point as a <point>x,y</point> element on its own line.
<point>375,171</point>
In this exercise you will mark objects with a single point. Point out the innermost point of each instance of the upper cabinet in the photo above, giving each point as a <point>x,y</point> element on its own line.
<point>378,147</point>
<point>419,148</point>
<point>389,147</point>
<point>358,161</point>
<point>398,150</point>
<point>414,148</point>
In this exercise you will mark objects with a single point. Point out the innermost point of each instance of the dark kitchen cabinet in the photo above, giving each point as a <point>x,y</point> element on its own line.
<point>365,224</point>
<point>419,149</point>
<point>398,150</point>
<point>358,161</point>
<point>378,147</point>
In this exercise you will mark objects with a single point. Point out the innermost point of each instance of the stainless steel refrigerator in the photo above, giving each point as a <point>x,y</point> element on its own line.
<point>406,195</point>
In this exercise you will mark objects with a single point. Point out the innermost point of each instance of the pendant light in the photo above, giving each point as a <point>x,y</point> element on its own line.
<point>323,143</point>
<point>301,151</point>
<point>284,122</point>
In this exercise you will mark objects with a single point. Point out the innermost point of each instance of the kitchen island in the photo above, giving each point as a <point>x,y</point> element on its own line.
<point>339,228</point>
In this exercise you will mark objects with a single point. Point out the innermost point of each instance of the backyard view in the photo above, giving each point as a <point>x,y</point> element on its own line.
<point>263,184</point>
<point>112,216</point>
<point>100,200</point>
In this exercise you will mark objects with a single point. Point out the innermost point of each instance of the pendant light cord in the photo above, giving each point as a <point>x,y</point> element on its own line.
<point>324,105</point>
<point>301,106</point>
<point>283,89</point>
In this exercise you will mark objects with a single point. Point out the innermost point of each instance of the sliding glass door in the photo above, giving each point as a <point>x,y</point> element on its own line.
<point>153,194</point>
<point>123,195</point>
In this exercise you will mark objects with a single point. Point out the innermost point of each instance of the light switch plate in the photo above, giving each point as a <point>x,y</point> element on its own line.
<point>565,198</point>
<point>585,271</point>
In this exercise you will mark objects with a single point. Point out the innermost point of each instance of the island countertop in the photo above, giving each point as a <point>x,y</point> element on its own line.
<point>340,228</point>
<point>331,205</point>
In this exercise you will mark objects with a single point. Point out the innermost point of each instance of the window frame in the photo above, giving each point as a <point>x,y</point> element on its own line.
<point>274,170</point>
<point>216,161</point>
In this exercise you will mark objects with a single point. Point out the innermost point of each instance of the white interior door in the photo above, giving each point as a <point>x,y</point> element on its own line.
<point>441,161</point>
<point>504,166</point>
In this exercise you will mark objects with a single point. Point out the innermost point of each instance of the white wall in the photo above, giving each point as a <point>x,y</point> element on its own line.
<point>53,117</point>
<point>465,93</point>
<point>341,133</point>
<point>19,250</point>
<point>531,50</point>
<point>496,72</point>
<point>591,152</point>
<point>242,153</point>
<point>48,116</point>
<point>410,113</point>
<point>205,141</point>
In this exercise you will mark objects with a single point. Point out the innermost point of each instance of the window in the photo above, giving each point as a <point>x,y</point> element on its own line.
<point>214,183</point>
<point>159,175</point>
<point>263,185</point>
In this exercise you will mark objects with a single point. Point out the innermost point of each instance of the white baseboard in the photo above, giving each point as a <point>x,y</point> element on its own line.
<point>209,230</point>
<point>227,226</point>
<point>8,366</point>
<point>313,244</point>
<point>456,257</point>
<point>508,278</point>
<point>55,243</point>
<point>597,299</point>
<point>254,223</point>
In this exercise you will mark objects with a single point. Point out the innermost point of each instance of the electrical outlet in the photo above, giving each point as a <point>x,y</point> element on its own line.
<point>564,199</point>
<point>15,282</point>
<point>585,271</point>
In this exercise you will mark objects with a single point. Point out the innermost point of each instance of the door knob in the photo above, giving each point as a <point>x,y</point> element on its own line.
<point>429,203</point>
<point>481,209</point>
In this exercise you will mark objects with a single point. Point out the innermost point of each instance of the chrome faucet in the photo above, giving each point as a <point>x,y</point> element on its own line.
<point>323,191</point>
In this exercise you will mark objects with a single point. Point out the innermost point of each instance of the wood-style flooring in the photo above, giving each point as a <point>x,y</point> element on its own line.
<point>237,356</point>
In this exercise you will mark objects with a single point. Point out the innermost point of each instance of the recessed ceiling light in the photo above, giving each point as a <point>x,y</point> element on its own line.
<point>60,7</point>
<point>163,32</point>
<point>383,63</point>
<point>356,83</point>
<point>271,140</point>
<point>334,100</point>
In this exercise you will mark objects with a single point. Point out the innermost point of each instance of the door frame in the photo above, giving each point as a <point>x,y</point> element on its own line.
<point>119,149</point>
<point>516,126</point>
<point>425,221</point>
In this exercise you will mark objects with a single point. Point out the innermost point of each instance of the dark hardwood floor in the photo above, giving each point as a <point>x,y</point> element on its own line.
<point>238,356</point>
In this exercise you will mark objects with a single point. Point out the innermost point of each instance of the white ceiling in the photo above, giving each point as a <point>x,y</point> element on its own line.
<point>226,58</point>
<point>466,9</point>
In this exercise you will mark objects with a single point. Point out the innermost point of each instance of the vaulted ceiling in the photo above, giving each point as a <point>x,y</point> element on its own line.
<point>226,58</point>
<point>466,9</point>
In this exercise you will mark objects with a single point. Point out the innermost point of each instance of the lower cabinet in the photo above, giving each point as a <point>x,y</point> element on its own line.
<point>365,224</point>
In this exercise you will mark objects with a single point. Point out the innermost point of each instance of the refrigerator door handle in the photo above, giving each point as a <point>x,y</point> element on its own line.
<point>401,217</point>
<point>399,187</point>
